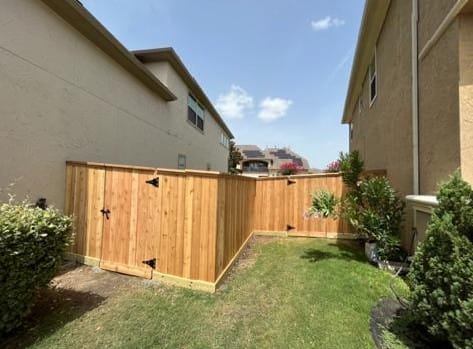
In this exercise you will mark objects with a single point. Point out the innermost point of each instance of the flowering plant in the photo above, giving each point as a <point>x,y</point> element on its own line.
<point>290,168</point>
<point>334,166</point>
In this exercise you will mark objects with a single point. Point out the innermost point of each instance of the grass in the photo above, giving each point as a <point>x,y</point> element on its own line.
<point>298,293</point>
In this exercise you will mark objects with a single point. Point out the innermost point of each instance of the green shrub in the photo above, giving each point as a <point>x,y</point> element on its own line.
<point>441,277</point>
<point>32,244</point>
<point>375,210</point>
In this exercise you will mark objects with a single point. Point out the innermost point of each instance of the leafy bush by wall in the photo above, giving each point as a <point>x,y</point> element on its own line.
<point>32,244</point>
<point>441,278</point>
<point>372,207</point>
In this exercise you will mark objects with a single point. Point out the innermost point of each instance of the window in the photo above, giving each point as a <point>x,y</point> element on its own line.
<point>351,131</point>
<point>373,79</point>
<point>224,140</point>
<point>181,162</point>
<point>195,113</point>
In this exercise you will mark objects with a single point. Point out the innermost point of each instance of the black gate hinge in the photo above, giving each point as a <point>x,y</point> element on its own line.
<point>290,181</point>
<point>154,182</point>
<point>151,263</point>
<point>105,212</point>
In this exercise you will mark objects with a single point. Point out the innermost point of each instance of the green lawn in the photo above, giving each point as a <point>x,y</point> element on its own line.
<point>292,293</point>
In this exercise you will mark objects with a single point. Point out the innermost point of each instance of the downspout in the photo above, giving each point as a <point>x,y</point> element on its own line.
<point>415,97</point>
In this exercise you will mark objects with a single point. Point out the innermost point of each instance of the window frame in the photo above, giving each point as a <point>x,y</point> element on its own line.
<point>373,78</point>
<point>197,116</point>
<point>225,140</point>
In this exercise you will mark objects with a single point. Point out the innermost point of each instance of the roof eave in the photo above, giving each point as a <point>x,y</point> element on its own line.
<point>374,14</point>
<point>168,54</point>
<point>83,21</point>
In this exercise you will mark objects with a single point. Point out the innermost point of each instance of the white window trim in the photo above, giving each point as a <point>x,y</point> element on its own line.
<point>374,77</point>
<point>224,140</point>
<point>196,115</point>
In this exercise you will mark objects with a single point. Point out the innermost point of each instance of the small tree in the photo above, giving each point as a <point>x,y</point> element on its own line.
<point>441,277</point>
<point>234,158</point>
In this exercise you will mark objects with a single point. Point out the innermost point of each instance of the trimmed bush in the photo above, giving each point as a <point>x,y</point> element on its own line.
<point>441,277</point>
<point>32,245</point>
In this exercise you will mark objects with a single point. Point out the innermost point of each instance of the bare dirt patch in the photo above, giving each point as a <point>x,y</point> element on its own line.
<point>82,278</point>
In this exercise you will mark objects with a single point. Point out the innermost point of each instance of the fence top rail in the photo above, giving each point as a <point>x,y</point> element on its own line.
<point>159,170</point>
<point>301,176</point>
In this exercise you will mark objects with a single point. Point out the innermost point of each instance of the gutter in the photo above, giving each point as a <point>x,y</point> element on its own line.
<point>415,97</point>
<point>449,18</point>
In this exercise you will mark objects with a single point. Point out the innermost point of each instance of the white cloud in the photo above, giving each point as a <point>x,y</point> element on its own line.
<point>272,109</point>
<point>235,103</point>
<point>327,23</point>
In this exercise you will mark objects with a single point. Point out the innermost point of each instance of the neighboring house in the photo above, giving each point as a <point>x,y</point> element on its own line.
<point>410,97</point>
<point>263,163</point>
<point>70,91</point>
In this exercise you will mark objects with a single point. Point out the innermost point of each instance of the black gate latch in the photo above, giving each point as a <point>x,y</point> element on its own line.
<point>151,263</point>
<point>105,212</point>
<point>154,182</point>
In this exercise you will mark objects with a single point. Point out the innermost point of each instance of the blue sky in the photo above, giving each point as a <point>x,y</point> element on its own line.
<point>277,72</point>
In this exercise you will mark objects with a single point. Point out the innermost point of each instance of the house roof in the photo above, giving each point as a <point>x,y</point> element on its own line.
<point>82,20</point>
<point>278,156</point>
<point>371,24</point>
<point>168,54</point>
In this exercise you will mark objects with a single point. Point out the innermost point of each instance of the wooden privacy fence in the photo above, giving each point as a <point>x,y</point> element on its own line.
<point>282,204</point>
<point>184,227</point>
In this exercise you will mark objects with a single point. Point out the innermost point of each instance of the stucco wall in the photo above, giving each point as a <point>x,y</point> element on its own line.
<point>382,132</point>
<point>431,14</point>
<point>439,141</point>
<point>61,98</point>
<point>211,153</point>
<point>466,96</point>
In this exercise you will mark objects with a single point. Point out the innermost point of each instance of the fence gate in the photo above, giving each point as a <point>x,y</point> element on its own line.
<point>282,204</point>
<point>131,224</point>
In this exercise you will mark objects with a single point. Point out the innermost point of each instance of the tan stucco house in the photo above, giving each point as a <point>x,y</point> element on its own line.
<point>70,91</point>
<point>257,162</point>
<point>409,104</point>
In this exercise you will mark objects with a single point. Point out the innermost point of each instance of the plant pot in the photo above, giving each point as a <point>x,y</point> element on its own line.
<point>371,251</point>
<point>394,267</point>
